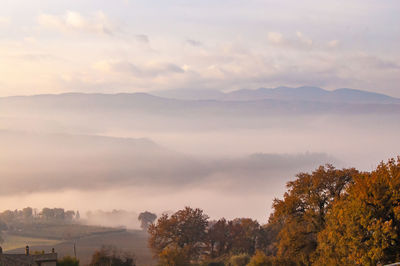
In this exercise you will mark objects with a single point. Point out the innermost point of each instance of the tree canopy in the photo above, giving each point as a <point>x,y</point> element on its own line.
<point>364,227</point>
<point>327,217</point>
<point>146,219</point>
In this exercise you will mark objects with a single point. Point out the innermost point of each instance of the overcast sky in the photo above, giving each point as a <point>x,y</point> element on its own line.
<point>54,46</point>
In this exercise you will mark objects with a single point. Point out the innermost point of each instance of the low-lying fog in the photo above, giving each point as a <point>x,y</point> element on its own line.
<point>230,165</point>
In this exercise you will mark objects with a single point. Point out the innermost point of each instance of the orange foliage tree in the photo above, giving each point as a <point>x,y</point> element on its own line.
<point>301,215</point>
<point>363,228</point>
<point>184,233</point>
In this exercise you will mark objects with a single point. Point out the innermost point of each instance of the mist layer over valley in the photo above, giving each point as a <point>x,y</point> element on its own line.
<point>226,153</point>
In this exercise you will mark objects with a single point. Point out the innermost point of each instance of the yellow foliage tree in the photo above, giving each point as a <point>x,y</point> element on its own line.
<point>364,227</point>
<point>300,216</point>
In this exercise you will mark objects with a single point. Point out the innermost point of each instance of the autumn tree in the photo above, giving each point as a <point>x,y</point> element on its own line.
<point>243,234</point>
<point>301,215</point>
<point>239,260</point>
<point>183,231</point>
<point>259,259</point>
<point>146,219</point>
<point>218,238</point>
<point>174,256</point>
<point>363,228</point>
<point>239,236</point>
<point>111,256</point>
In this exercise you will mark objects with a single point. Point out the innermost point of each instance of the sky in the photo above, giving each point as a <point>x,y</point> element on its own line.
<point>98,46</point>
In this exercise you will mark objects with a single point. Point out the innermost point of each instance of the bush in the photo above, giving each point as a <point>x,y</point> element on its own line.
<point>68,261</point>
<point>172,256</point>
<point>111,256</point>
<point>214,262</point>
<point>260,259</point>
<point>239,260</point>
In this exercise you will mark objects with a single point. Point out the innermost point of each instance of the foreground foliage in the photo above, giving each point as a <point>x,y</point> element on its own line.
<point>68,261</point>
<point>327,217</point>
<point>364,227</point>
<point>111,256</point>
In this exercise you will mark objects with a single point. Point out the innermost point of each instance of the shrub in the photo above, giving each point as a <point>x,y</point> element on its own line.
<point>239,260</point>
<point>172,256</point>
<point>260,259</point>
<point>68,261</point>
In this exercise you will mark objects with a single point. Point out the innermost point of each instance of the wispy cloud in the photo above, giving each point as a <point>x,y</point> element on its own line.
<point>98,23</point>
<point>194,42</point>
<point>333,43</point>
<point>151,69</point>
<point>299,42</point>
<point>5,21</point>
<point>275,38</point>
<point>142,38</point>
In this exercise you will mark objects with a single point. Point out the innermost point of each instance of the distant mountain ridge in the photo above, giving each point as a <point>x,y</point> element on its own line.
<point>285,102</point>
<point>304,93</point>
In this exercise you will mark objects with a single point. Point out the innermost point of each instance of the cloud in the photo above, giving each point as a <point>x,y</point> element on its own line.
<point>153,69</point>
<point>4,21</point>
<point>194,43</point>
<point>333,43</point>
<point>142,38</point>
<point>98,23</point>
<point>37,57</point>
<point>279,40</point>
<point>376,62</point>
<point>303,39</point>
<point>275,38</point>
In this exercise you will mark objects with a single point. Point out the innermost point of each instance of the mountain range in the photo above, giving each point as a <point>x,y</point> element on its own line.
<point>279,101</point>
<point>304,93</point>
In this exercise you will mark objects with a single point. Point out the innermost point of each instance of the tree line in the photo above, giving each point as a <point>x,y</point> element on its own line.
<point>327,217</point>
<point>29,215</point>
<point>17,219</point>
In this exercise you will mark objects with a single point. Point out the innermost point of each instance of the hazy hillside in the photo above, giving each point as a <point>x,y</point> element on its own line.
<point>43,162</point>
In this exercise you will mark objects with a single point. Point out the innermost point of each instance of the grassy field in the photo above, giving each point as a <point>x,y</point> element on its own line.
<point>13,242</point>
<point>61,231</point>
<point>89,240</point>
